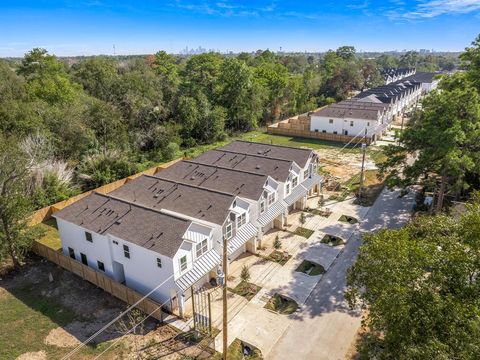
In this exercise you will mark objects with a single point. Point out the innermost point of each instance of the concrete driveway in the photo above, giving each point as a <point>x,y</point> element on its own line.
<point>250,321</point>
<point>325,327</point>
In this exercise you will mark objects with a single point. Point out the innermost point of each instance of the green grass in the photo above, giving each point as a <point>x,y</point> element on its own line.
<point>281,304</point>
<point>332,240</point>
<point>50,236</point>
<point>348,219</point>
<point>27,319</point>
<point>311,268</point>
<point>246,289</point>
<point>278,257</point>
<point>235,352</point>
<point>306,233</point>
<point>28,315</point>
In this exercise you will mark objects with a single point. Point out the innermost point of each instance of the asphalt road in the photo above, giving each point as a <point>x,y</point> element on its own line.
<point>325,327</point>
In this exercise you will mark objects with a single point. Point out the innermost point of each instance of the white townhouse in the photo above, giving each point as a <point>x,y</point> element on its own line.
<point>168,229</point>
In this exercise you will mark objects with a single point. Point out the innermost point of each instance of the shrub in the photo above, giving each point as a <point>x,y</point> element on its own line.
<point>277,244</point>
<point>245,274</point>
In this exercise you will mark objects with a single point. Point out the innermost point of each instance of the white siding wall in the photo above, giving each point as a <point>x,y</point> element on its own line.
<point>73,236</point>
<point>141,271</point>
<point>340,124</point>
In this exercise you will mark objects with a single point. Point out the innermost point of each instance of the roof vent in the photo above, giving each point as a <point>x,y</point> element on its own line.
<point>118,222</point>
<point>192,178</point>
<point>257,167</point>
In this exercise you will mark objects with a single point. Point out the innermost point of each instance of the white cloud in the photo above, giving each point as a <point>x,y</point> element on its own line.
<point>431,8</point>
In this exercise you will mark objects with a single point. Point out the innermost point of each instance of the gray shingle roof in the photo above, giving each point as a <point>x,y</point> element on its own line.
<point>348,112</point>
<point>105,214</point>
<point>155,193</point>
<point>235,182</point>
<point>277,169</point>
<point>300,156</point>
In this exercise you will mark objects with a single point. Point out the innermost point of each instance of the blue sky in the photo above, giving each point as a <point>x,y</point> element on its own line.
<point>76,27</point>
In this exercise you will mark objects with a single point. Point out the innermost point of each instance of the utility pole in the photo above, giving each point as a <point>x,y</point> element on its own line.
<point>225,307</point>
<point>364,149</point>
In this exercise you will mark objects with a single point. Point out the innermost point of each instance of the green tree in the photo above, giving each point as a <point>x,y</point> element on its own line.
<point>16,160</point>
<point>420,286</point>
<point>47,78</point>
<point>98,76</point>
<point>239,95</point>
<point>346,53</point>
<point>200,75</point>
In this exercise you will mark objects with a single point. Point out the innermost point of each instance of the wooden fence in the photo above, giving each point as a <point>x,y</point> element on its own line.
<point>272,129</point>
<point>46,212</point>
<point>99,279</point>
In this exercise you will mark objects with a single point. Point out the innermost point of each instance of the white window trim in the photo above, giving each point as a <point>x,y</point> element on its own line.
<point>241,220</point>
<point>288,188</point>
<point>271,198</point>
<point>264,205</point>
<point>229,233</point>
<point>180,263</point>
<point>201,248</point>
<point>294,181</point>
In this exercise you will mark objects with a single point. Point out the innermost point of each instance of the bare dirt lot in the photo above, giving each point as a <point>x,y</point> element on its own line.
<point>43,319</point>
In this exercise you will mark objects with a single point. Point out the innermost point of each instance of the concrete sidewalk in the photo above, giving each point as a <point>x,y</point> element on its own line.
<point>325,327</point>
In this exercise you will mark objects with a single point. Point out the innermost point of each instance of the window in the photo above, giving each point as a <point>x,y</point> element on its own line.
<point>71,252</point>
<point>316,130</point>
<point>159,262</point>
<point>241,220</point>
<point>115,242</point>
<point>229,230</point>
<point>202,247</point>
<point>126,251</point>
<point>287,188</point>
<point>271,198</point>
<point>335,132</point>
<point>345,132</point>
<point>101,266</point>
<point>306,174</point>
<point>84,259</point>
<point>330,121</point>
<point>324,131</point>
<point>368,123</point>
<point>183,263</point>
<point>262,206</point>
<point>88,236</point>
<point>294,181</point>
<point>351,123</point>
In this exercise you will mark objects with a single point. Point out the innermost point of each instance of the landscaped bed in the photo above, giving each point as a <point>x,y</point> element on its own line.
<point>324,213</point>
<point>332,240</point>
<point>348,219</point>
<point>279,257</point>
<point>306,233</point>
<point>310,268</point>
<point>281,304</point>
<point>246,289</point>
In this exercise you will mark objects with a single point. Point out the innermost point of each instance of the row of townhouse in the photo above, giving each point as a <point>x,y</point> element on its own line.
<point>169,228</point>
<point>394,74</point>
<point>373,109</point>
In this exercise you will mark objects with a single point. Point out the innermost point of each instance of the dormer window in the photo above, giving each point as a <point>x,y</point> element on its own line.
<point>306,174</point>
<point>287,188</point>
<point>241,220</point>
<point>271,198</point>
<point>202,247</point>
<point>294,181</point>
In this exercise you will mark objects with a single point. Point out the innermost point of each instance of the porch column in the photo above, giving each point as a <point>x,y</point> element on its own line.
<point>181,304</point>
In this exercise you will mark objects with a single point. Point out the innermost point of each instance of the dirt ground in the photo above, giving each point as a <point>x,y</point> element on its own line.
<point>343,164</point>
<point>43,319</point>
